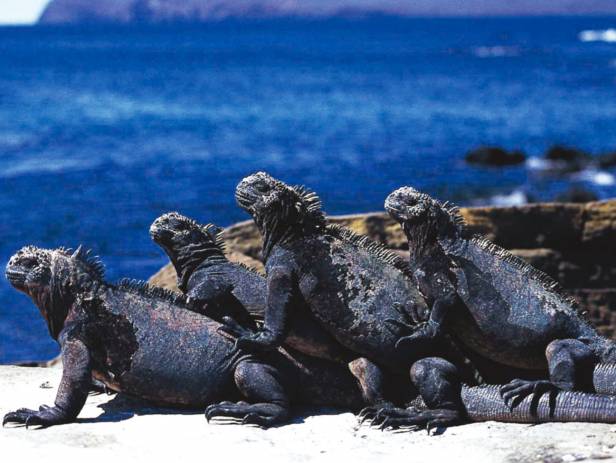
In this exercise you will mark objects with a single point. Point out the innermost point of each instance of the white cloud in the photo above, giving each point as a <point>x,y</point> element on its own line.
<point>21,11</point>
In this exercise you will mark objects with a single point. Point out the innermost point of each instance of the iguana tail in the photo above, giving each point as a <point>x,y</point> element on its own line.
<point>484,403</point>
<point>604,378</point>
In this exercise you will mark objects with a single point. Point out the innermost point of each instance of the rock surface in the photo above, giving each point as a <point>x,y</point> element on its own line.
<point>574,243</point>
<point>494,156</point>
<point>135,431</point>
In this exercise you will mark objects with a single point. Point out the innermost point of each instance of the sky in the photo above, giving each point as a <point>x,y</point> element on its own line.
<point>21,11</point>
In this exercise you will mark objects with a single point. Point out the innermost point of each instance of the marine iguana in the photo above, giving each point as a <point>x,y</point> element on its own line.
<point>217,287</point>
<point>349,284</point>
<point>146,342</point>
<point>497,306</point>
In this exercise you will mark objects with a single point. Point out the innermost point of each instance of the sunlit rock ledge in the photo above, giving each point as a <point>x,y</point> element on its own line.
<point>574,243</point>
<point>117,427</point>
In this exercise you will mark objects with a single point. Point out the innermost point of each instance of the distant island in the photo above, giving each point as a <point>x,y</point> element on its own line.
<point>153,11</point>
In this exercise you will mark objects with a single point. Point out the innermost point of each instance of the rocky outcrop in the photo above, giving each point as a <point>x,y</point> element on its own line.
<point>494,156</point>
<point>574,243</point>
<point>568,159</point>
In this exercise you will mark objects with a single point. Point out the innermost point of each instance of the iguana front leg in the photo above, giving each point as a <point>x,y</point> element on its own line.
<point>275,328</point>
<point>72,392</point>
<point>445,300</point>
<point>372,384</point>
<point>433,327</point>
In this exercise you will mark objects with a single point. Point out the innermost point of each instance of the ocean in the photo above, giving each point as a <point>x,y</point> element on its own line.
<point>103,128</point>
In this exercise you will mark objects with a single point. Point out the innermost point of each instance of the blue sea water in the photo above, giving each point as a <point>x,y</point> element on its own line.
<point>103,128</point>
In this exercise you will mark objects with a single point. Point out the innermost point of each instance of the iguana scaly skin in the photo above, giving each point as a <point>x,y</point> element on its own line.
<point>496,306</point>
<point>217,287</point>
<point>349,284</point>
<point>146,342</point>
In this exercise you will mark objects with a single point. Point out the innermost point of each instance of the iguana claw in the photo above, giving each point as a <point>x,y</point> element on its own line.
<point>427,331</point>
<point>517,390</point>
<point>414,419</point>
<point>45,416</point>
<point>264,415</point>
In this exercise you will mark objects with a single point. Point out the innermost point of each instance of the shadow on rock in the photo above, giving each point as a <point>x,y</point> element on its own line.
<point>123,407</point>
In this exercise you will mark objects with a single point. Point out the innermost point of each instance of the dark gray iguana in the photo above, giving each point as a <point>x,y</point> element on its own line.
<point>146,342</point>
<point>349,284</point>
<point>226,290</point>
<point>497,306</point>
<point>218,287</point>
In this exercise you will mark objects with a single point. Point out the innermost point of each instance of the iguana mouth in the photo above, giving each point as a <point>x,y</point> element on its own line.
<point>243,199</point>
<point>17,278</point>
<point>159,233</point>
<point>394,210</point>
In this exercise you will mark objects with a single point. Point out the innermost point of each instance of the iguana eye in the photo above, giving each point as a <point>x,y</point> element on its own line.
<point>262,187</point>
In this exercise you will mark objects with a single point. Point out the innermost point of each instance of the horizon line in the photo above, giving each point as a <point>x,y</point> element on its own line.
<point>319,17</point>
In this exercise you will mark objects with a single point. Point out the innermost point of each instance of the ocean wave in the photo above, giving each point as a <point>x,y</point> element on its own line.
<point>604,35</point>
<point>497,51</point>
<point>33,165</point>
<point>535,163</point>
<point>598,177</point>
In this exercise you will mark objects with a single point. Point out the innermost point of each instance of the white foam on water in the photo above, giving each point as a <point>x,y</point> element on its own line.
<point>605,35</point>
<point>535,163</point>
<point>515,198</point>
<point>497,51</point>
<point>598,177</point>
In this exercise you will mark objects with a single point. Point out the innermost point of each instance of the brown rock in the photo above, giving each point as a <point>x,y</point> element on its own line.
<point>548,225</point>
<point>165,278</point>
<point>600,305</point>
<point>599,231</point>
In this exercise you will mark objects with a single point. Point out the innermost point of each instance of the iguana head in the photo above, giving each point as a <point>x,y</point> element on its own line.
<point>187,243</point>
<point>51,278</point>
<point>425,221</point>
<point>279,210</point>
<point>261,194</point>
<point>29,269</point>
